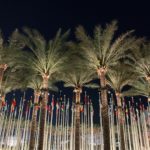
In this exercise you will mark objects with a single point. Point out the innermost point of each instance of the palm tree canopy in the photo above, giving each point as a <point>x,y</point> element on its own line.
<point>143,67</point>
<point>11,81</point>
<point>120,76</point>
<point>79,78</point>
<point>103,50</point>
<point>140,87</point>
<point>10,50</point>
<point>47,58</point>
<point>35,82</point>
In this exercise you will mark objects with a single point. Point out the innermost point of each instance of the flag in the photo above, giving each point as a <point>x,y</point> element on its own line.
<point>81,108</point>
<point>3,103</point>
<point>13,104</point>
<point>53,103</point>
<point>27,108</point>
<point>91,108</point>
<point>62,107</point>
<point>85,99</point>
<point>57,107</point>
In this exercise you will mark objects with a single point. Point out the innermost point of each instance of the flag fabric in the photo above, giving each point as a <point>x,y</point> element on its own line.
<point>13,104</point>
<point>62,107</point>
<point>81,108</point>
<point>57,108</point>
<point>53,103</point>
<point>91,108</point>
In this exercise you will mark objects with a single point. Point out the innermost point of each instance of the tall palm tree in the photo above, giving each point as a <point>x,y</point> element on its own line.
<point>78,78</point>
<point>143,67</point>
<point>102,51</point>
<point>117,79</point>
<point>10,51</point>
<point>140,87</point>
<point>7,85</point>
<point>46,59</point>
<point>36,83</point>
<point>140,60</point>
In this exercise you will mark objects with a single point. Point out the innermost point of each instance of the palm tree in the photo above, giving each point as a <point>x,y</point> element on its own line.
<point>10,51</point>
<point>140,87</point>
<point>117,79</point>
<point>140,60</point>
<point>102,51</point>
<point>36,82</point>
<point>143,67</point>
<point>78,78</point>
<point>47,59</point>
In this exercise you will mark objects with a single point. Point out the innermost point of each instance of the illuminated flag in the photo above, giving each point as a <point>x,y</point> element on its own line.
<point>13,104</point>
<point>53,102</point>
<point>62,107</point>
<point>81,108</point>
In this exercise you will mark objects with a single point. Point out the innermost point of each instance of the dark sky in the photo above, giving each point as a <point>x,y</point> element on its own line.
<point>48,16</point>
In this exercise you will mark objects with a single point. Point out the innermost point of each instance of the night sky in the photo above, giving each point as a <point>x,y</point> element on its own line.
<point>48,16</point>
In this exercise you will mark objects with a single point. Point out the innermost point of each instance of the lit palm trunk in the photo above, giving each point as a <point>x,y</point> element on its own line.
<point>43,112</point>
<point>3,67</point>
<point>121,123</point>
<point>34,125</point>
<point>105,115</point>
<point>77,118</point>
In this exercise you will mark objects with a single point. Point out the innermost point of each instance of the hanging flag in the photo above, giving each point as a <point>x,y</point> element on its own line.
<point>85,99</point>
<point>91,108</point>
<point>53,102</point>
<point>3,103</point>
<point>13,104</point>
<point>31,104</point>
<point>62,107</point>
<point>50,109</point>
<point>57,108</point>
<point>81,108</point>
<point>61,98</point>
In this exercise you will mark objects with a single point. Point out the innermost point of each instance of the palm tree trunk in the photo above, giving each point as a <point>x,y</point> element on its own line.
<point>120,120</point>
<point>105,115</point>
<point>43,114</point>
<point>34,125</point>
<point>77,122</point>
<point>33,130</point>
<point>2,70</point>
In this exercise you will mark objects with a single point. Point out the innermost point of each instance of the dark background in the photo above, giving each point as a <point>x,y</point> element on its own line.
<point>48,16</point>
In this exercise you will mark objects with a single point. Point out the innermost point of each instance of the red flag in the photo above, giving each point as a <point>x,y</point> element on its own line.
<point>3,103</point>
<point>81,109</point>
<point>14,102</point>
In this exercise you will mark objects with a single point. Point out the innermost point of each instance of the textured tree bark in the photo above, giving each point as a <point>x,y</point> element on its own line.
<point>34,125</point>
<point>43,113</point>
<point>120,120</point>
<point>33,130</point>
<point>105,115</point>
<point>77,118</point>
<point>3,67</point>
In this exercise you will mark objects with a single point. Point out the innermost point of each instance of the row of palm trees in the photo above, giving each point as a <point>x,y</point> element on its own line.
<point>27,59</point>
